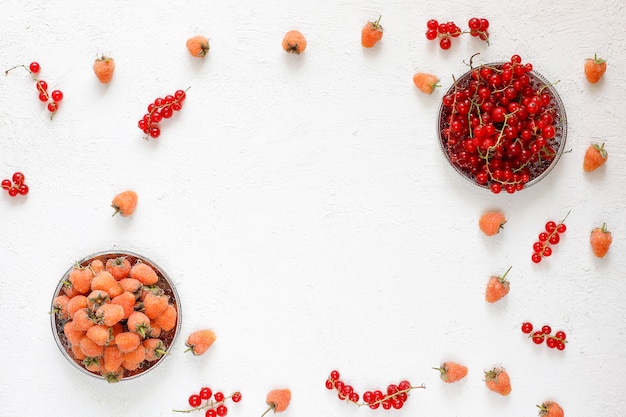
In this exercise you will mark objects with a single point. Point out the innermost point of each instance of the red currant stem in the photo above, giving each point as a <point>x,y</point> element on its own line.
<point>554,232</point>
<point>270,408</point>
<point>209,404</point>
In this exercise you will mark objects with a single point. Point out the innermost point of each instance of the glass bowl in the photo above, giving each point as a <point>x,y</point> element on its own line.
<point>163,286</point>
<point>507,160</point>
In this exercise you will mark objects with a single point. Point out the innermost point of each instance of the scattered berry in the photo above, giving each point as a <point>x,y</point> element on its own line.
<point>278,400</point>
<point>53,99</point>
<point>294,42</point>
<point>124,203</point>
<point>452,372</point>
<point>491,222</point>
<point>600,241</point>
<point>161,108</point>
<point>426,83</point>
<point>497,380</point>
<point>213,405</point>
<point>15,186</point>
<point>594,69</point>
<point>198,46</point>
<point>595,157</point>
<point>104,67</point>
<point>550,409</point>
<point>444,32</point>
<point>395,397</point>
<point>371,33</point>
<point>551,236</point>
<point>545,334</point>
<point>497,288</point>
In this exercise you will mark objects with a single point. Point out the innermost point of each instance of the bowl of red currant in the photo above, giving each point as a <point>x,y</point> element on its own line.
<point>502,126</point>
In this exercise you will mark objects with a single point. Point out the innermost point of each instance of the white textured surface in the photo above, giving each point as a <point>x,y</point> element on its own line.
<point>303,207</point>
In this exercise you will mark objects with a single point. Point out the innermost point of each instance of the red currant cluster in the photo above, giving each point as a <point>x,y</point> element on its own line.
<point>556,341</point>
<point>551,236</point>
<point>395,397</point>
<point>16,185</point>
<point>448,30</point>
<point>161,108</point>
<point>214,407</point>
<point>500,125</point>
<point>52,99</point>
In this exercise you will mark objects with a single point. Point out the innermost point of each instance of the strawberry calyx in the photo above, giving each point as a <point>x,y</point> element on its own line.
<point>600,148</point>
<point>597,60</point>
<point>502,279</point>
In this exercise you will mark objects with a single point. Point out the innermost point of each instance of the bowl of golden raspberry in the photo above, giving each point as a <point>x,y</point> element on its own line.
<point>115,315</point>
<point>502,125</point>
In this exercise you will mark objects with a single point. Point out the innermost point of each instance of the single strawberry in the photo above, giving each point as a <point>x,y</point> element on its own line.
<point>154,305</point>
<point>497,287</point>
<point>600,240</point>
<point>104,67</point>
<point>426,83</point>
<point>371,33</point>
<point>491,222</point>
<point>277,400</point>
<point>451,371</point>
<point>550,409</point>
<point>497,380</point>
<point>139,323</point>
<point>168,319</point>
<point>594,68</point>
<point>80,278</point>
<point>127,341</point>
<point>200,341</point>
<point>76,303</point>
<point>595,157</point>
<point>125,203</point>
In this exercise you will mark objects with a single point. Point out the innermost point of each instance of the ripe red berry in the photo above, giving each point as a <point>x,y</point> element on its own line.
<point>561,228</point>
<point>22,189</point>
<point>206,393</point>
<point>56,96</point>
<point>236,397</point>
<point>554,239</point>
<point>551,342</point>
<point>195,400</point>
<point>18,178</point>
<point>219,397</point>
<point>445,43</point>
<point>546,329</point>
<point>34,67</point>
<point>334,375</point>
<point>560,335</point>
<point>210,413</point>
<point>538,338</point>
<point>221,410</point>
<point>536,258</point>
<point>527,327</point>
<point>6,184</point>
<point>474,23</point>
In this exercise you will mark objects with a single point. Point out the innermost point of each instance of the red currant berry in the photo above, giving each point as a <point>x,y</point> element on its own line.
<point>34,67</point>
<point>334,375</point>
<point>431,34</point>
<point>354,397</point>
<point>158,102</point>
<point>42,86</point>
<point>18,178</point>
<point>210,413</point>
<point>404,385</point>
<point>180,95</point>
<point>560,335</point>
<point>445,43</point>
<point>432,24</point>
<point>221,410</point>
<point>176,106</point>
<point>561,228</point>
<point>374,405</point>
<point>56,95</point>
<point>13,191</point>
<point>236,397</point>
<point>52,107</point>
<point>387,404</point>
<point>550,226</point>
<point>547,251</point>
<point>538,247</point>
<point>554,239</point>
<point>543,236</point>
<point>560,345</point>
<point>206,393</point>
<point>167,112</point>
<point>43,97</point>
<point>527,327</point>
<point>195,400</point>
<point>397,403</point>
<point>551,342</point>
<point>474,23</point>
<point>142,124</point>
<point>484,24</point>
<point>329,384</point>
<point>23,189</point>
<point>536,258</point>
<point>496,188</point>
<point>155,132</point>
<point>6,184</point>
<point>546,329</point>
<point>538,338</point>
<point>219,397</point>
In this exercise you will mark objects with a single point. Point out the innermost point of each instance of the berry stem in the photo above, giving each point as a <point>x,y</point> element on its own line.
<point>270,408</point>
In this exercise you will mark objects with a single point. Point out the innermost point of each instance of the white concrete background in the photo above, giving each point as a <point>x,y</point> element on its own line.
<point>303,207</point>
